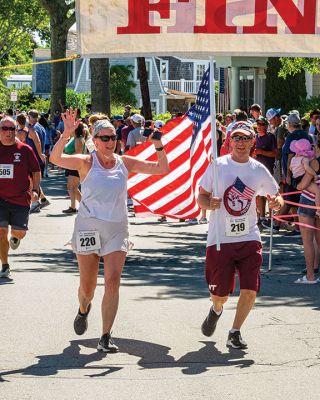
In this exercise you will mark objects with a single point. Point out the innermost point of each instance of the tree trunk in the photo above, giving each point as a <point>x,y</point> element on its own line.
<point>144,87</point>
<point>100,87</point>
<point>58,70</point>
<point>62,17</point>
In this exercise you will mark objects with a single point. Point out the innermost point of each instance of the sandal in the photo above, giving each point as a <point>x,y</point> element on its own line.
<point>304,281</point>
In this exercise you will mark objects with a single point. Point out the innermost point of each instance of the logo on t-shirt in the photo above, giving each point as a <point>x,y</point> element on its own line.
<point>16,157</point>
<point>237,198</point>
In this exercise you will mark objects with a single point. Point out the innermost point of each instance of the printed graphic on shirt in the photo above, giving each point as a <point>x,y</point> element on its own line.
<point>17,157</point>
<point>237,198</point>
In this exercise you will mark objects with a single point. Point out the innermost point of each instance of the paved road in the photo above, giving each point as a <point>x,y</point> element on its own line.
<point>163,302</point>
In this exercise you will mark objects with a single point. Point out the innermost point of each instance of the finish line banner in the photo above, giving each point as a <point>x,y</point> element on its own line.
<point>198,28</point>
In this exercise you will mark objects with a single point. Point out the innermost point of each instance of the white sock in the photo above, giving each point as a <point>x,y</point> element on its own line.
<point>217,312</point>
<point>234,330</point>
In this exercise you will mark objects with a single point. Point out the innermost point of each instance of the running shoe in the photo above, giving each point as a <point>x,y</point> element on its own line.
<point>203,220</point>
<point>162,219</point>
<point>44,203</point>
<point>70,210</point>
<point>192,221</point>
<point>35,207</point>
<point>14,243</point>
<point>209,324</point>
<point>80,324</point>
<point>106,344</point>
<point>294,234</point>
<point>235,341</point>
<point>5,271</point>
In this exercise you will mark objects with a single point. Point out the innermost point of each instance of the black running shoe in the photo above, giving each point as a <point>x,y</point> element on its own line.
<point>209,324</point>
<point>106,344</point>
<point>70,210</point>
<point>235,341</point>
<point>5,271</point>
<point>80,324</point>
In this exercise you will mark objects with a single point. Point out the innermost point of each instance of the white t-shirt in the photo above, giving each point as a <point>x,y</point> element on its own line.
<point>238,186</point>
<point>135,137</point>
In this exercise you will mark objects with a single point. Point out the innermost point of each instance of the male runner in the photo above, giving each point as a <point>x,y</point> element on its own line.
<point>17,163</point>
<point>241,179</point>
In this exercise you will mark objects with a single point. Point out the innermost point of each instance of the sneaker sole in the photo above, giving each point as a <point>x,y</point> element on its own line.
<point>231,345</point>
<point>80,325</point>
<point>104,350</point>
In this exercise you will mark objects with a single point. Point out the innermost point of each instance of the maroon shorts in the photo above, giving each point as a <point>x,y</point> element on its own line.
<point>221,267</point>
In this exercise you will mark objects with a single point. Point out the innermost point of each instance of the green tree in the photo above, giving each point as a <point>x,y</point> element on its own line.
<point>121,84</point>
<point>294,65</point>
<point>286,93</point>
<point>62,17</point>
<point>20,21</point>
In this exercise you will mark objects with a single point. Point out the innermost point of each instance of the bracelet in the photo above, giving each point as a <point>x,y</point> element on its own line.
<point>159,148</point>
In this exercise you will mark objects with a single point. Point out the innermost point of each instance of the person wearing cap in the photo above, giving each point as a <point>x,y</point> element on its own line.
<point>101,225</point>
<point>265,152</point>
<point>295,132</point>
<point>239,115</point>
<point>136,137</point>
<point>241,179</point>
<point>158,124</point>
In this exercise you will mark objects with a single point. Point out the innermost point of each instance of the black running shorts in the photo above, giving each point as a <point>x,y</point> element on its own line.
<point>14,215</point>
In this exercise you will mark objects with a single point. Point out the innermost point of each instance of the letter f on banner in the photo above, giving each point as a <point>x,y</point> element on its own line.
<point>139,16</point>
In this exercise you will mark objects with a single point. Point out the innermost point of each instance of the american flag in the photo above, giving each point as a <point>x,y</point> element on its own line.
<point>240,189</point>
<point>187,142</point>
<point>224,92</point>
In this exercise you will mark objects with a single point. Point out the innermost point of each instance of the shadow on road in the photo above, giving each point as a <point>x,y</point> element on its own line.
<point>151,356</point>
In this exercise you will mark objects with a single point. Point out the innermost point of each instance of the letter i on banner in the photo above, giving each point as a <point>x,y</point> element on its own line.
<point>214,145</point>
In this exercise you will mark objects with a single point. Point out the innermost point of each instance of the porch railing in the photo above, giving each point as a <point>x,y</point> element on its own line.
<point>182,85</point>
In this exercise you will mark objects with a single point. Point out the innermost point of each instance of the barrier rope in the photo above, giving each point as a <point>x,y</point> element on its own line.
<point>282,218</point>
<point>73,57</point>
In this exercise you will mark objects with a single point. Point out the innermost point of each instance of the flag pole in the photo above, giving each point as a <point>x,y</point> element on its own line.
<point>214,145</point>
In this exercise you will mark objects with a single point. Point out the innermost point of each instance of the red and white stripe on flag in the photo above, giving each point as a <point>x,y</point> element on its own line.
<point>174,194</point>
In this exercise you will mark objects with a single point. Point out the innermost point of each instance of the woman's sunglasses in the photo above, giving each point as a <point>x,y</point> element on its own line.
<point>8,128</point>
<point>107,138</point>
<point>241,138</point>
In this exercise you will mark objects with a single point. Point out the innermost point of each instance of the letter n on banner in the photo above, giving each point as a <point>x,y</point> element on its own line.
<point>297,22</point>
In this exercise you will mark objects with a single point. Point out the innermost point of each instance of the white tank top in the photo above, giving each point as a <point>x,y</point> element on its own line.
<point>104,192</point>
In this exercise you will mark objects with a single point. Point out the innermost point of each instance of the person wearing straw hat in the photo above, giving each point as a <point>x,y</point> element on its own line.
<point>241,180</point>
<point>101,226</point>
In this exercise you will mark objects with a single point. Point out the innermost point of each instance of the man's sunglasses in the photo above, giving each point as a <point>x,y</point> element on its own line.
<point>8,128</point>
<point>107,138</point>
<point>241,138</point>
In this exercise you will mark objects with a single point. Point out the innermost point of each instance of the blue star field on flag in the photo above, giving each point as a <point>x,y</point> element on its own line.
<point>200,112</point>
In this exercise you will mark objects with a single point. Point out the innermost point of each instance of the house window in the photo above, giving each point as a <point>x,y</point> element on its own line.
<point>164,70</point>
<point>148,67</point>
<point>70,76</point>
<point>199,70</point>
<point>155,106</point>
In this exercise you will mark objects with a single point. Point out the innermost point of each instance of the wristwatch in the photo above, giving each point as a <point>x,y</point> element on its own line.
<point>159,148</point>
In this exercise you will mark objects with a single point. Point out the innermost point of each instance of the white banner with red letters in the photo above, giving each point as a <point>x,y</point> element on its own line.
<point>122,28</point>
